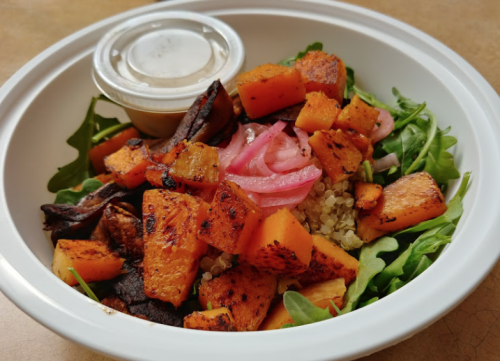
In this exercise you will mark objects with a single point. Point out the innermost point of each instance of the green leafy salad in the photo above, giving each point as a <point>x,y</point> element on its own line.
<point>415,144</point>
<point>392,261</point>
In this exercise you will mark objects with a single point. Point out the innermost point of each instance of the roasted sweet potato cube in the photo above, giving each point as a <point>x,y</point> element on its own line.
<point>110,146</point>
<point>339,157</point>
<point>319,112</point>
<point>232,218</point>
<point>128,165</point>
<point>357,116</point>
<point>219,319</point>
<point>194,164</point>
<point>269,88</point>
<point>157,176</point>
<point>362,143</point>
<point>170,158</point>
<point>280,245</point>
<point>328,262</point>
<point>367,234</point>
<point>320,295</point>
<point>366,195</point>
<point>91,259</point>
<point>171,249</point>
<point>245,291</point>
<point>323,72</point>
<point>411,199</point>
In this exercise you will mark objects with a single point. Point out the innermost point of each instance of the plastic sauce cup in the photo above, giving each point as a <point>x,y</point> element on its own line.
<point>156,65</point>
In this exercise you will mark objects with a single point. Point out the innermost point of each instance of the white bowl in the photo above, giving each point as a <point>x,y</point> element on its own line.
<point>42,104</point>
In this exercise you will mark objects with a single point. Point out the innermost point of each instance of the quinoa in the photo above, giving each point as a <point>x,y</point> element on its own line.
<point>214,267</point>
<point>329,211</point>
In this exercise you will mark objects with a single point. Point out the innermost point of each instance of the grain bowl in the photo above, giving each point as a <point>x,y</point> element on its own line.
<point>44,101</point>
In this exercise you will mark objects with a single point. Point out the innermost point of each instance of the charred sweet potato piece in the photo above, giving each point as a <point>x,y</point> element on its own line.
<point>245,291</point>
<point>366,195</point>
<point>232,218</point>
<point>128,165</point>
<point>171,249</point>
<point>318,113</point>
<point>367,234</point>
<point>362,142</point>
<point>194,164</point>
<point>110,146</point>
<point>280,245</point>
<point>269,88</point>
<point>323,72</point>
<point>157,176</point>
<point>320,295</point>
<point>210,112</point>
<point>328,262</point>
<point>92,260</point>
<point>219,319</point>
<point>357,116</point>
<point>125,229</point>
<point>411,199</point>
<point>339,157</point>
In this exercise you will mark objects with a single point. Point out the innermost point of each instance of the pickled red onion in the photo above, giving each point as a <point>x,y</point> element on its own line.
<point>386,125</point>
<point>252,149</point>
<point>277,182</point>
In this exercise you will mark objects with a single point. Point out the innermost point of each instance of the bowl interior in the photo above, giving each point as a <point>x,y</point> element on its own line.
<point>57,111</point>
<point>50,101</point>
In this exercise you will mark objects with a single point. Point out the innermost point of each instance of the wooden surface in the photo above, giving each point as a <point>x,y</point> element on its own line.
<point>470,27</point>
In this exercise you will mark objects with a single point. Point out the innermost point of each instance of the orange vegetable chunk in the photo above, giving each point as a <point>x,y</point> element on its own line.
<point>110,146</point>
<point>281,245</point>
<point>339,157</point>
<point>157,176</point>
<point>362,143</point>
<point>245,291</point>
<point>269,88</point>
<point>367,234</point>
<point>358,116</point>
<point>232,218</point>
<point>194,164</point>
<point>328,262</point>
<point>318,113</point>
<point>92,260</point>
<point>219,319</point>
<point>323,72</point>
<point>171,249</point>
<point>320,295</point>
<point>366,195</point>
<point>411,199</point>
<point>128,165</point>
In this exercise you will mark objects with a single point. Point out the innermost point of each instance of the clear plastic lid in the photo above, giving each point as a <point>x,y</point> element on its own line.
<point>161,62</point>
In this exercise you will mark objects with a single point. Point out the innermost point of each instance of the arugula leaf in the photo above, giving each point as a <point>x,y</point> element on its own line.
<point>302,311</point>
<point>452,214</point>
<point>69,196</point>
<point>406,144</point>
<point>394,270</point>
<point>80,169</point>
<point>77,171</point>
<point>349,84</point>
<point>369,302</point>
<point>311,47</point>
<point>424,263</point>
<point>425,244</point>
<point>395,285</point>
<point>439,163</point>
<point>288,325</point>
<point>369,266</point>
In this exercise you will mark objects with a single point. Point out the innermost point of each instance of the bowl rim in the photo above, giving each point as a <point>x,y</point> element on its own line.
<point>81,320</point>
